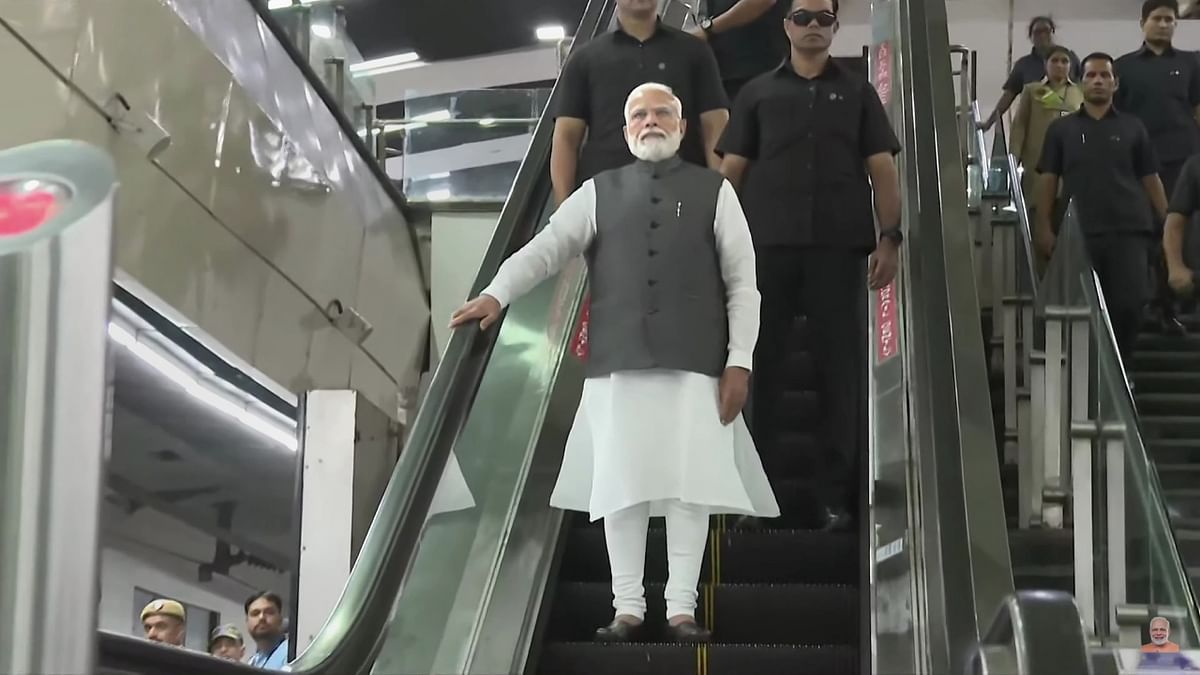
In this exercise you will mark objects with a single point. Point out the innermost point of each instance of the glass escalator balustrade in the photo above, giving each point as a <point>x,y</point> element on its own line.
<point>1098,483</point>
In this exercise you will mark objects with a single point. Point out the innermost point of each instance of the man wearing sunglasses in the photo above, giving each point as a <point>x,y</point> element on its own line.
<point>596,79</point>
<point>821,147</point>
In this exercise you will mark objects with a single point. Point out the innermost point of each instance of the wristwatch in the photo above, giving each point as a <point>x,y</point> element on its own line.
<point>894,234</point>
<point>706,25</point>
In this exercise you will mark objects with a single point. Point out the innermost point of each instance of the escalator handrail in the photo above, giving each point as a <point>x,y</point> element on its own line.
<point>354,632</point>
<point>1042,632</point>
<point>373,164</point>
<point>1028,272</point>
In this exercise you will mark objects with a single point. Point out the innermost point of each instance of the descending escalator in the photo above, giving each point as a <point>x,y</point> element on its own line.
<point>510,586</point>
<point>780,598</point>
<point>1166,375</point>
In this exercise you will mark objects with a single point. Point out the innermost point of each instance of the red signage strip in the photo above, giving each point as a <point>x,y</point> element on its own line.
<point>887,327</point>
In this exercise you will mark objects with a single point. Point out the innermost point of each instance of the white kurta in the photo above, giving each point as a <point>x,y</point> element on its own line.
<point>654,435</point>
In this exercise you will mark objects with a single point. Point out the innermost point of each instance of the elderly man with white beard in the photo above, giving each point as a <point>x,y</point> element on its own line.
<point>674,320</point>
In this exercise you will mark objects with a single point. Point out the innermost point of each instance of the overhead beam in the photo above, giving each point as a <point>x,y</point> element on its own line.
<point>481,72</point>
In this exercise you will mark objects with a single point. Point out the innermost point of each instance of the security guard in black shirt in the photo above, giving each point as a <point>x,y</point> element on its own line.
<point>596,80</point>
<point>1182,211</point>
<point>821,143</point>
<point>747,38</point>
<point>1161,86</point>
<point>1107,166</point>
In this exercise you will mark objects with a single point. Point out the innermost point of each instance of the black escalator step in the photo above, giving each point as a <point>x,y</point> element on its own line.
<point>798,410</point>
<point>745,556</point>
<point>792,455</point>
<point>799,367</point>
<point>1167,383</point>
<point>752,660</point>
<point>786,614</point>
<point>762,614</point>
<point>1172,361</point>
<point>788,556</point>
<point>1045,546</point>
<point>1044,578</point>
<point>1174,450</point>
<point>1154,342</point>
<point>1178,476</point>
<point>588,658</point>
<point>1184,427</point>
<point>1168,404</point>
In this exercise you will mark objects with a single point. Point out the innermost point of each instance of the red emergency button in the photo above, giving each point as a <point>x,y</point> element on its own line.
<point>26,205</point>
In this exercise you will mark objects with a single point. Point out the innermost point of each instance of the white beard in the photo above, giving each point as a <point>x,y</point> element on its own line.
<point>655,149</point>
<point>1159,641</point>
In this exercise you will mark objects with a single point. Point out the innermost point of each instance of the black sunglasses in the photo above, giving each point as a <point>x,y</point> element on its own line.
<point>803,17</point>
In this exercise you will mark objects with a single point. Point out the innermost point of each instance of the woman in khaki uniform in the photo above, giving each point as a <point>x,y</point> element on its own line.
<point>1040,104</point>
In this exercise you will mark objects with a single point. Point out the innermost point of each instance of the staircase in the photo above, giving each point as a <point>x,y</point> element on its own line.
<point>1166,376</point>
<point>780,598</point>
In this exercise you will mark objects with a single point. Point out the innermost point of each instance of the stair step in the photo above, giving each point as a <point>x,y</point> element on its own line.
<point>785,614</point>
<point>1166,383</point>
<point>1170,426</point>
<point>1179,405</point>
<point>718,659</point>
<point>1168,361</point>
<point>744,556</point>
<point>1173,450</point>
<point>1178,476</point>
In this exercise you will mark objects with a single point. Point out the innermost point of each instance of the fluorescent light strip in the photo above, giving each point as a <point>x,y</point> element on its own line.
<point>435,116</point>
<point>195,387</point>
<point>280,4</point>
<point>402,58</point>
<point>551,33</point>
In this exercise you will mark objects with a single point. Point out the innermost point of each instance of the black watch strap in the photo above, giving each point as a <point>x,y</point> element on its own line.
<point>892,233</point>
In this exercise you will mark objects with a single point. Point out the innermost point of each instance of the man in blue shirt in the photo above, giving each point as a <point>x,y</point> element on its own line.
<point>264,618</point>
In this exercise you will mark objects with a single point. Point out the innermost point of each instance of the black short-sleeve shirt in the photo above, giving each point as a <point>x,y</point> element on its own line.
<point>1102,163</point>
<point>1185,200</point>
<point>1163,91</point>
<point>598,78</point>
<point>752,49</point>
<point>1032,68</point>
<point>808,139</point>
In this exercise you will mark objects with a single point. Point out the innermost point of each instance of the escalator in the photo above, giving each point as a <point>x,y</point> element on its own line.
<point>513,586</point>
<point>783,597</point>
<point>1099,474</point>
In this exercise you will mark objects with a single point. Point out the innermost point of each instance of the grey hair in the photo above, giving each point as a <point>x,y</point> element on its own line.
<point>654,86</point>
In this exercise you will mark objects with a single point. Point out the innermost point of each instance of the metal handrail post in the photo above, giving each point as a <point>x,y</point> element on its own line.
<point>55,279</point>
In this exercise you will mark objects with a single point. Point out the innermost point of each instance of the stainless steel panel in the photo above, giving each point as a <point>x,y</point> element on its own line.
<point>252,145</point>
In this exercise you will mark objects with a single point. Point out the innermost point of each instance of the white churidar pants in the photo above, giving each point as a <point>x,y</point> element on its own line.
<point>625,533</point>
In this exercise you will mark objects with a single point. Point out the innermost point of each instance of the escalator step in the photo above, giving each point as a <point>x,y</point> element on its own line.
<point>1167,383</point>
<point>718,659</point>
<point>1174,450</point>
<point>746,556</point>
<point>785,614</point>
<point>1166,361</point>
<point>1182,404</point>
<point>1182,427</point>
<point>1152,342</point>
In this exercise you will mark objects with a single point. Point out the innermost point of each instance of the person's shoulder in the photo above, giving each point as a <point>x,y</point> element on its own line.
<point>1127,57</point>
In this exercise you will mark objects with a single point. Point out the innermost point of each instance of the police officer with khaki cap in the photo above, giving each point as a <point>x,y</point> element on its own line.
<point>165,621</point>
<point>226,643</point>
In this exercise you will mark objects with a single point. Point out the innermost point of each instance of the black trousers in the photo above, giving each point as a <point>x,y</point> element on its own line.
<point>827,286</point>
<point>1122,264</point>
